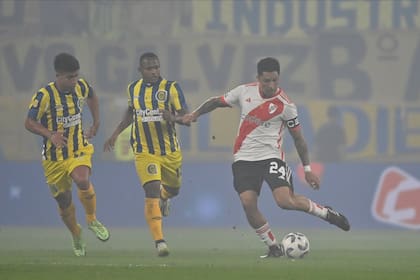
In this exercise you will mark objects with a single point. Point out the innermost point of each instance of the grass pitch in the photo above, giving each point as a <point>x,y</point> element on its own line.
<point>199,254</point>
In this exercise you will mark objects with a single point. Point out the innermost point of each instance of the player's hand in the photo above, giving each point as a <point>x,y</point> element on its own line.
<point>189,118</point>
<point>167,116</point>
<point>91,132</point>
<point>110,143</point>
<point>313,180</point>
<point>58,139</point>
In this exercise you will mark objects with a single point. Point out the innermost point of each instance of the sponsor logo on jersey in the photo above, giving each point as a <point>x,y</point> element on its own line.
<point>255,120</point>
<point>396,200</point>
<point>70,121</point>
<point>149,115</point>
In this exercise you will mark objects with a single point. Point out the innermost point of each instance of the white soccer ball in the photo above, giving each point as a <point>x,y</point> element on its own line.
<point>295,245</point>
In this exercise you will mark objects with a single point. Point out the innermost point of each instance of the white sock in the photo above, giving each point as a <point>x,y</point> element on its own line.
<point>266,235</point>
<point>317,210</point>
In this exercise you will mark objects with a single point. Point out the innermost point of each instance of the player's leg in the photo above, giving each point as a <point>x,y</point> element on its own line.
<point>68,216</point>
<point>60,188</point>
<point>80,169</point>
<point>286,199</point>
<point>166,193</point>
<point>67,211</point>
<point>247,183</point>
<point>153,216</point>
<point>148,169</point>
<point>249,201</point>
<point>290,201</point>
<point>279,178</point>
<point>171,180</point>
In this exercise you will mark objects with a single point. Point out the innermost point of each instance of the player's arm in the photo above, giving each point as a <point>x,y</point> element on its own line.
<point>209,105</point>
<point>302,150</point>
<point>124,123</point>
<point>176,118</point>
<point>36,110</point>
<point>93,104</point>
<point>37,128</point>
<point>300,144</point>
<point>57,138</point>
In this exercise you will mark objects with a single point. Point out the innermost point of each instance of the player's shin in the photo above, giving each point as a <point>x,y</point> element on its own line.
<point>153,217</point>
<point>266,235</point>
<point>88,200</point>
<point>68,216</point>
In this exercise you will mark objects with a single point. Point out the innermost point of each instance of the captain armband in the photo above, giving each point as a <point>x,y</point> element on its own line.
<point>292,123</point>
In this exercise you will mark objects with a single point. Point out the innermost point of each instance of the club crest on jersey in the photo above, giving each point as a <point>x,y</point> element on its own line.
<point>272,108</point>
<point>152,169</point>
<point>161,95</point>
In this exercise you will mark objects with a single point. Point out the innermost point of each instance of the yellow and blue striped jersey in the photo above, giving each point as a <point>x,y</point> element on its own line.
<point>59,111</point>
<point>150,132</point>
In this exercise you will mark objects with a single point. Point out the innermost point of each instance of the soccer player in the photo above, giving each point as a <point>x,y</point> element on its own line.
<point>266,112</point>
<point>55,113</point>
<point>154,106</point>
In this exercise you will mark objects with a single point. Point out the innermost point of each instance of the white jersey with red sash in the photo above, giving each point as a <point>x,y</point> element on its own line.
<point>262,123</point>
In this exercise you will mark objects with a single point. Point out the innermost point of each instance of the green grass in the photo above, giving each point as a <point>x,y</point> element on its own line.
<point>45,253</point>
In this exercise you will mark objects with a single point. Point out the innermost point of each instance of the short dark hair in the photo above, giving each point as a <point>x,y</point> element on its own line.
<point>268,64</point>
<point>148,55</point>
<point>64,62</point>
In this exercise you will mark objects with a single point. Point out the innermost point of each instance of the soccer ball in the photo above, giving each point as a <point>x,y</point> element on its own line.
<point>295,245</point>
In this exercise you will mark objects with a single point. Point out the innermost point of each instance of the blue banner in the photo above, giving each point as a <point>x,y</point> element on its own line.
<point>207,197</point>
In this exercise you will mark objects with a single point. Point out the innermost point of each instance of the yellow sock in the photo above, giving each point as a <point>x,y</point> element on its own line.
<point>88,200</point>
<point>68,216</point>
<point>164,194</point>
<point>153,217</point>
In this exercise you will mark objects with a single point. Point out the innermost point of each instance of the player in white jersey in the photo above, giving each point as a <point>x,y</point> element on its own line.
<point>266,112</point>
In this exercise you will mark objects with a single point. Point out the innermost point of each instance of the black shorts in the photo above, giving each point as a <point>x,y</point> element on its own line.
<point>250,175</point>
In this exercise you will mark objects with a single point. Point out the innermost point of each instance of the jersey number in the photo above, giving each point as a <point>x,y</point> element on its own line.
<point>275,169</point>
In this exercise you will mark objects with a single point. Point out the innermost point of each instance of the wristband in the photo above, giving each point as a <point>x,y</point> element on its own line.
<point>307,168</point>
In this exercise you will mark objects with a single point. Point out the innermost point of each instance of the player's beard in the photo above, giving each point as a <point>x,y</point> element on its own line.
<point>268,92</point>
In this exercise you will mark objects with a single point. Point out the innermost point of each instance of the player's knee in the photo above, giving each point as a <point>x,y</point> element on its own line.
<point>63,200</point>
<point>82,184</point>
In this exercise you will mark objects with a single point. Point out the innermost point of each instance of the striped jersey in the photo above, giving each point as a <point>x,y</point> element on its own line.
<point>150,133</point>
<point>262,122</point>
<point>61,111</point>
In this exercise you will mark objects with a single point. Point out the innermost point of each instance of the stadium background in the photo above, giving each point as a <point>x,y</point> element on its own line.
<point>362,56</point>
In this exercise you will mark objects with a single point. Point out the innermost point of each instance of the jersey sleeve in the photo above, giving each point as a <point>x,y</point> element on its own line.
<point>130,92</point>
<point>39,105</point>
<point>177,97</point>
<point>85,88</point>
<point>231,97</point>
<point>290,115</point>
